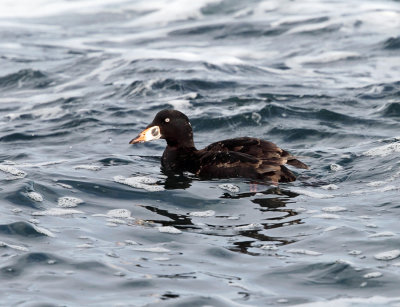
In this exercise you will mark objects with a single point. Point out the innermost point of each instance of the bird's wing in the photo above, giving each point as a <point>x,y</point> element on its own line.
<point>258,148</point>
<point>229,164</point>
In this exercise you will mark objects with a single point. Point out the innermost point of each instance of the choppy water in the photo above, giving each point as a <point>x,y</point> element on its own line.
<point>87,219</point>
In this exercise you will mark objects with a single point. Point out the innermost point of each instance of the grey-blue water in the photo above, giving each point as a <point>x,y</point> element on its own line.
<point>88,220</point>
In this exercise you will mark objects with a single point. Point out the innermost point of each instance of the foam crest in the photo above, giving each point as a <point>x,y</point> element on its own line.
<point>140,182</point>
<point>384,150</point>
<point>206,213</point>
<point>56,212</point>
<point>169,229</point>
<point>15,172</point>
<point>69,202</point>
<point>229,187</point>
<point>35,196</point>
<point>89,167</point>
<point>17,247</point>
<point>389,255</point>
<point>303,252</point>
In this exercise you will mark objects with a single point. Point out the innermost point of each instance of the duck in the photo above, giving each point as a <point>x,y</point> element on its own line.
<point>243,157</point>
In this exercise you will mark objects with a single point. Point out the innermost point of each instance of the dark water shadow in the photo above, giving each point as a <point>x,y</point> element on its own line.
<point>272,199</point>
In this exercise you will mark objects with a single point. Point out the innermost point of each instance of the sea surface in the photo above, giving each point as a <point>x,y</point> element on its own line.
<point>88,220</point>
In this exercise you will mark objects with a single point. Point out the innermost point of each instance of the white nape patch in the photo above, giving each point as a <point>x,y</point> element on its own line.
<point>304,252</point>
<point>207,213</point>
<point>373,275</point>
<point>17,247</point>
<point>12,171</point>
<point>152,249</point>
<point>253,226</point>
<point>384,150</point>
<point>330,187</point>
<point>334,209</point>
<point>336,167</point>
<point>229,187</point>
<point>35,196</point>
<point>140,182</point>
<point>327,216</point>
<point>56,212</point>
<point>89,167</point>
<point>119,213</point>
<point>382,234</point>
<point>169,229</point>
<point>44,231</point>
<point>389,255</point>
<point>312,194</point>
<point>69,202</point>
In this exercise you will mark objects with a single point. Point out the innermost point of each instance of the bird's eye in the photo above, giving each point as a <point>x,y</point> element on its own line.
<point>167,120</point>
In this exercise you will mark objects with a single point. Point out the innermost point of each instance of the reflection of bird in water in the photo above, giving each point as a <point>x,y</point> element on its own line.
<point>240,157</point>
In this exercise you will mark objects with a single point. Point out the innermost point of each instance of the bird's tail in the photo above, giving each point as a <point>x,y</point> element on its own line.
<point>296,163</point>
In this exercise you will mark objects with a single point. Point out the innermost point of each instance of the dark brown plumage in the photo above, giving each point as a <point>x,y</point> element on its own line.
<point>239,157</point>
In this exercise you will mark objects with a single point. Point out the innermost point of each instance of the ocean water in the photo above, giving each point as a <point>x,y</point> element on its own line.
<point>88,220</point>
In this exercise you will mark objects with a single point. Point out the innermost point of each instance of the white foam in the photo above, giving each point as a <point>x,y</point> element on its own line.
<point>331,228</point>
<point>119,213</point>
<point>253,226</point>
<point>336,167</point>
<point>356,301</point>
<point>85,245</point>
<point>389,255</point>
<point>334,209</point>
<point>162,13</point>
<point>269,247</point>
<point>312,194</point>
<point>140,182</point>
<point>64,185</point>
<point>56,212</point>
<point>330,187</point>
<point>42,8</point>
<point>35,196</point>
<point>304,252</point>
<point>17,247</point>
<point>229,187</point>
<point>384,150</point>
<point>44,231</point>
<point>117,221</point>
<point>382,234</point>
<point>152,249</point>
<point>376,183</point>
<point>131,242</point>
<point>355,252</point>
<point>327,216</point>
<point>69,202</point>
<point>12,171</point>
<point>89,167</point>
<point>161,259</point>
<point>207,213</point>
<point>169,229</point>
<point>373,275</point>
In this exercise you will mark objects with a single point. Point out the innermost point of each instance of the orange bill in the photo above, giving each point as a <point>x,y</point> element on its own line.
<point>148,134</point>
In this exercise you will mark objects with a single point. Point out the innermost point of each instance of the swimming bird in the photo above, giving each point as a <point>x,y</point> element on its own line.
<point>245,157</point>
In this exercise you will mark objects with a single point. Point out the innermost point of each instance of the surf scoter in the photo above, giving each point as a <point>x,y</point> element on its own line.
<point>240,157</point>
